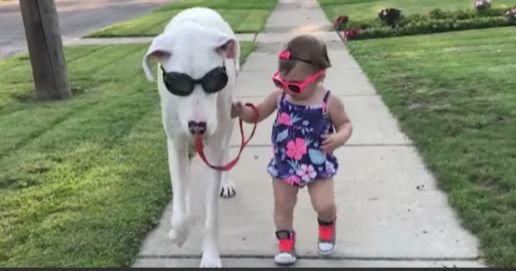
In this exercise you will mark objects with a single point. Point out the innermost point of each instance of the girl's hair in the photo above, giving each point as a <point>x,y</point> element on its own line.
<point>307,49</point>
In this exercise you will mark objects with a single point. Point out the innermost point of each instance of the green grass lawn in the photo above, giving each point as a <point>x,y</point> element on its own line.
<point>455,96</point>
<point>244,16</point>
<point>368,9</point>
<point>81,181</point>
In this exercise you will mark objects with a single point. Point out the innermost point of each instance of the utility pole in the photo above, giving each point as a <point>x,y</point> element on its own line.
<point>45,49</point>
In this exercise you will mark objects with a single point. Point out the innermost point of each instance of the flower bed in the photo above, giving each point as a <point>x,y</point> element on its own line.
<point>435,26</point>
<point>391,22</point>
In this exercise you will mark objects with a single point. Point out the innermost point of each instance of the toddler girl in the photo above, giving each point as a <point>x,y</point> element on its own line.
<point>310,124</point>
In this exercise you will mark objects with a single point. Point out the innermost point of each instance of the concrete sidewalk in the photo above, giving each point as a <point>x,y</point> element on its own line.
<point>390,211</point>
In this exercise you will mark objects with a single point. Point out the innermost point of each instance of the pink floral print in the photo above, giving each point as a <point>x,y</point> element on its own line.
<point>284,119</point>
<point>296,148</point>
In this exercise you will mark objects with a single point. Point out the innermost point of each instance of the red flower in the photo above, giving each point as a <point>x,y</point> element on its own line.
<point>351,33</point>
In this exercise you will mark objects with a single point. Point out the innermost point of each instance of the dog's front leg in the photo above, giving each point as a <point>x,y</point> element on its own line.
<point>211,256</point>
<point>227,186</point>
<point>179,168</point>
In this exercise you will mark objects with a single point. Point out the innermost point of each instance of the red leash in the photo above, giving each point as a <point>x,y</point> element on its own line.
<point>199,148</point>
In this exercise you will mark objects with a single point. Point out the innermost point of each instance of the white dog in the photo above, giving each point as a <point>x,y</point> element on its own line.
<point>195,52</point>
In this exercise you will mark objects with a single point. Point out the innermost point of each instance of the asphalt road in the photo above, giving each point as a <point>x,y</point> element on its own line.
<point>76,18</point>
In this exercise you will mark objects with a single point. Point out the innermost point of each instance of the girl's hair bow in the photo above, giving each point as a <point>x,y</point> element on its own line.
<point>285,54</point>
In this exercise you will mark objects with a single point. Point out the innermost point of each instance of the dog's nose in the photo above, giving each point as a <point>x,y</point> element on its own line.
<point>197,128</point>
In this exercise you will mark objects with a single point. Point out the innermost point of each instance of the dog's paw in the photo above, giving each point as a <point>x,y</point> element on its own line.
<point>179,232</point>
<point>210,260</point>
<point>227,189</point>
<point>178,237</point>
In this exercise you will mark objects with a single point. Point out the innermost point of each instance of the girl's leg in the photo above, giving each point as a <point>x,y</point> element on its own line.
<point>322,196</point>
<point>285,198</point>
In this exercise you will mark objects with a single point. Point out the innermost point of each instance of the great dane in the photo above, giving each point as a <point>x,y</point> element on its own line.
<point>198,63</point>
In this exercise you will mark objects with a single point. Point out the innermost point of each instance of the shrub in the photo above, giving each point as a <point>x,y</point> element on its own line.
<point>341,22</point>
<point>465,14</point>
<point>390,16</point>
<point>391,23</point>
<point>432,26</point>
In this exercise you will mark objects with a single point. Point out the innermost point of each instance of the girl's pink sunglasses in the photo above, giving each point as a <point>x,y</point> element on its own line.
<point>296,87</point>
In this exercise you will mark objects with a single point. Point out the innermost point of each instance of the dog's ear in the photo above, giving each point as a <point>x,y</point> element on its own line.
<point>158,50</point>
<point>228,48</point>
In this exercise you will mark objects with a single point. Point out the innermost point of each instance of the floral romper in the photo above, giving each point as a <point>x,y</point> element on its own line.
<point>296,138</point>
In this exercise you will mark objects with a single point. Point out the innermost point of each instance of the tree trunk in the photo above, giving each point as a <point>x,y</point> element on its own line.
<point>45,49</point>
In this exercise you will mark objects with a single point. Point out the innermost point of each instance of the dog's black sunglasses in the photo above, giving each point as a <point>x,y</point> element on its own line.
<point>181,84</point>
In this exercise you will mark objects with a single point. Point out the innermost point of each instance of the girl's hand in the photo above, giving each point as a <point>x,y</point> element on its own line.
<point>331,142</point>
<point>237,109</point>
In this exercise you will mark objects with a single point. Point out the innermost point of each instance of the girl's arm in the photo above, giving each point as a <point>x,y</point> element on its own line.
<point>340,120</point>
<point>265,108</point>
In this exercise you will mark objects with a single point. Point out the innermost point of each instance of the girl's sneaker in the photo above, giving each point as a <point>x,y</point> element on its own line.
<point>326,244</point>
<point>286,247</point>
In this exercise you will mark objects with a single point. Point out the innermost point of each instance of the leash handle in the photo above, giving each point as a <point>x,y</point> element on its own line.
<point>199,148</point>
